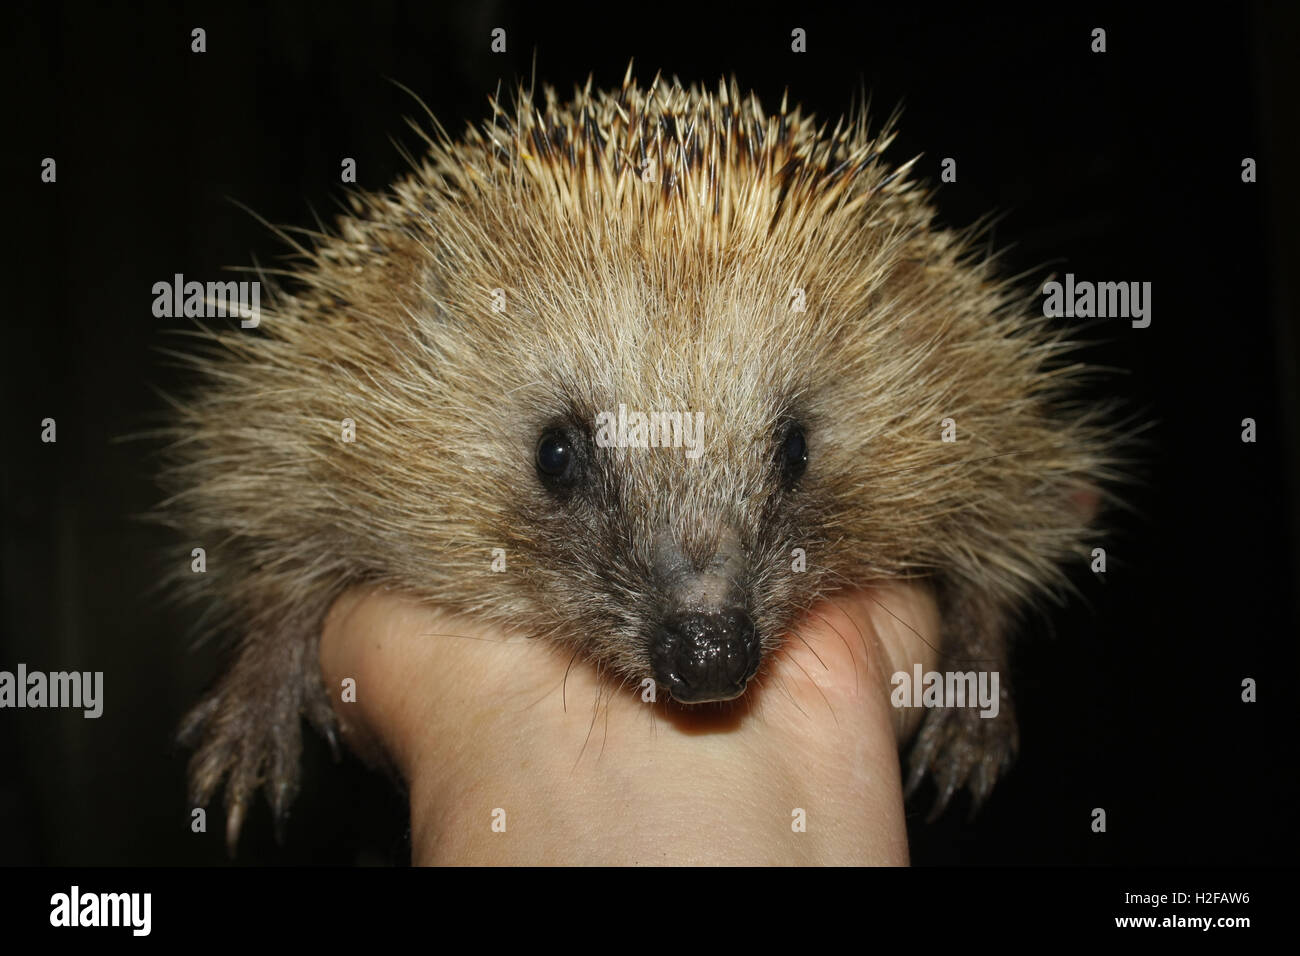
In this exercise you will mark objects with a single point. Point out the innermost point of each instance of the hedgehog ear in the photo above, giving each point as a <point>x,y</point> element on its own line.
<point>1085,501</point>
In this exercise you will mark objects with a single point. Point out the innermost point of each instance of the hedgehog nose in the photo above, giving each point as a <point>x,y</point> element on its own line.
<point>701,657</point>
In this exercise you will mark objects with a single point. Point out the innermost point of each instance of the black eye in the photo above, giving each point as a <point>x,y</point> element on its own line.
<point>555,457</point>
<point>792,455</point>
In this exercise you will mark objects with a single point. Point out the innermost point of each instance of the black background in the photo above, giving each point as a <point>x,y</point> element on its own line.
<point>1123,166</point>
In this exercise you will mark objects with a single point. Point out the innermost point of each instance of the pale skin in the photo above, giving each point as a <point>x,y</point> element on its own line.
<point>478,721</point>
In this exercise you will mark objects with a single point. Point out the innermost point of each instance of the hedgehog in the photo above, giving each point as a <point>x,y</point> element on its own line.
<point>860,384</point>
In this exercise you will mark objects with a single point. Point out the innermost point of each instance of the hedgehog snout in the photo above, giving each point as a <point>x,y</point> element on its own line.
<point>702,656</point>
<point>705,646</point>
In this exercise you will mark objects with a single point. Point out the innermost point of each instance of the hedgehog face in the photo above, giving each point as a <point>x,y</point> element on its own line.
<point>654,464</point>
<point>662,541</point>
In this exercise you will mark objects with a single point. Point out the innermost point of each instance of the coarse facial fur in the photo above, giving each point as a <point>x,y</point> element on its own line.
<point>668,250</point>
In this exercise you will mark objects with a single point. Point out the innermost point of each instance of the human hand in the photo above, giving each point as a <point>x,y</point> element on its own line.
<point>478,722</point>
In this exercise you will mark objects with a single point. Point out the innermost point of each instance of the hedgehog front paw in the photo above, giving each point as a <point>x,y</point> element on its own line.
<point>249,732</point>
<point>959,748</point>
<point>249,741</point>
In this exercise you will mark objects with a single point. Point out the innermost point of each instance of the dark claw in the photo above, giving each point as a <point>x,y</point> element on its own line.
<point>234,823</point>
<point>915,774</point>
<point>333,738</point>
<point>946,790</point>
